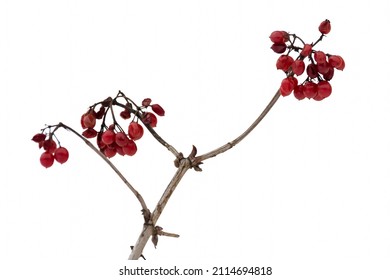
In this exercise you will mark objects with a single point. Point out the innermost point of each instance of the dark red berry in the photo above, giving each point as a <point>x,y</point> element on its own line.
<point>298,67</point>
<point>158,110</point>
<point>110,152</point>
<point>135,131</point>
<point>324,89</point>
<point>284,62</point>
<point>61,155</point>
<point>108,137</point>
<point>39,137</point>
<point>279,47</point>
<point>306,50</point>
<point>146,102</point>
<point>47,159</point>
<point>323,68</point>
<point>286,86</point>
<point>337,62</point>
<point>329,75</point>
<point>324,27</point>
<point>121,139</point>
<point>310,89</point>
<point>49,145</point>
<point>320,57</point>
<point>279,37</point>
<point>298,92</point>
<point>88,120</point>
<point>125,114</point>
<point>130,149</point>
<point>150,118</point>
<point>89,133</point>
<point>312,71</point>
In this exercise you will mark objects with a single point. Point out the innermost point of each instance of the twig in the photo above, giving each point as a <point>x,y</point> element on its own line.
<point>133,190</point>
<point>148,229</point>
<point>183,165</point>
<point>231,144</point>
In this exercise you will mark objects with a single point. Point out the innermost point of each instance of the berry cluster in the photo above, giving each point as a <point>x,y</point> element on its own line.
<point>319,69</point>
<point>113,139</point>
<point>51,152</point>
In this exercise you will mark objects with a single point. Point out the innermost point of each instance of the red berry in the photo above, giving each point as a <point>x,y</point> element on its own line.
<point>312,70</point>
<point>119,150</point>
<point>310,89</point>
<point>324,89</point>
<point>121,139</point>
<point>130,149</point>
<point>279,37</point>
<point>279,47</point>
<point>89,133</point>
<point>49,145</point>
<point>320,57</point>
<point>306,50</point>
<point>298,67</point>
<point>61,155</point>
<point>125,114</point>
<point>99,114</point>
<point>337,62</point>
<point>47,159</point>
<point>324,27</point>
<point>323,68</point>
<point>88,120</point>
<point>146,102</point>
<point>110,151</point>
<point>287,85</point>
<point>150,118</point>
<point>298,92</point>
<point>108,137</point>
<point>328,75</point>
<point>158,110</point>
<point>39,137</point>
<point>135,130</point>
<point>284,62</point>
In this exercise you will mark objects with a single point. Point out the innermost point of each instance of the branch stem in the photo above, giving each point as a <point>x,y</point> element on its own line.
<point>148,228</point>
<point>234,142</point>
<point>89,144</point>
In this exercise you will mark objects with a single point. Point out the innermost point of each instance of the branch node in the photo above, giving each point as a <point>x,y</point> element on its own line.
<point>192,158</point>
<point>147,216</point>
<point>178,159</point>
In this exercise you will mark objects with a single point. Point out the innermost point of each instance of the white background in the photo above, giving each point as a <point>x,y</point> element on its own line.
<point>308,192</point>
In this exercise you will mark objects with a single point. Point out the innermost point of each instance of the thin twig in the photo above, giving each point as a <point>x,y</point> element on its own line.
<point>89,144</point>
<point>231,144</point>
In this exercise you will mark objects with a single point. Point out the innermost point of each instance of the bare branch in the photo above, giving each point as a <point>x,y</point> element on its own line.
<point>231,144</point>
<point>145,209</point>
<point>149,228</point>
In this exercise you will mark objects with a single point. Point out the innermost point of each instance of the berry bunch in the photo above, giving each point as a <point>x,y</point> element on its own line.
<point>51,152</point>
<point>113,139</point>
<point>319,69</point>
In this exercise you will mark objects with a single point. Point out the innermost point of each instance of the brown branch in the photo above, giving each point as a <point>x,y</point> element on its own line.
<point>146,211</point>
<point>183,165</point>
<point>149,228</point>
<point>234,142</point>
